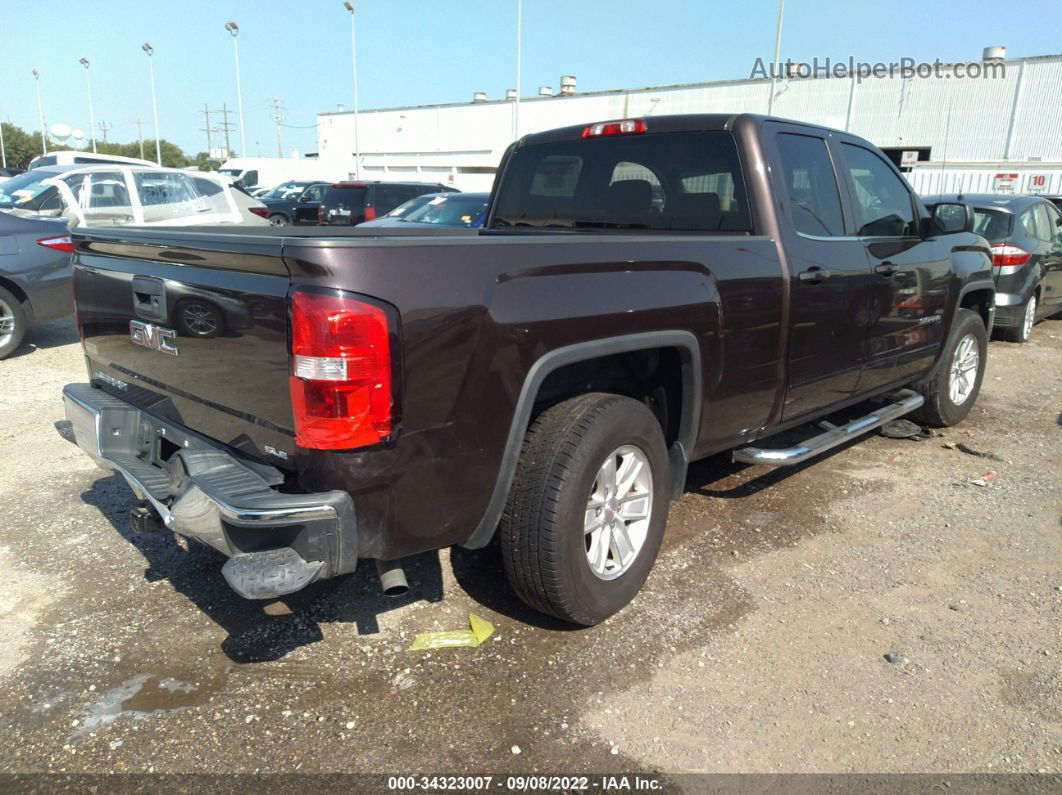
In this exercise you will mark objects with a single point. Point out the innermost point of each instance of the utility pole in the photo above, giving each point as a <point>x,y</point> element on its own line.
<point>225,127</point>
<point>278,117</point>
<point>105,127</point>
<point>3,150</point>
<point>140,135</point>
<point>206,127</point>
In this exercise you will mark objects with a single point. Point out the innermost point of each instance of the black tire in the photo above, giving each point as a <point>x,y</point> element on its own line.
<point>939,409</point>
<point>1019,333</point>
<point>543,544</point>
<point>197,318</point>
<point>279,219</point>
<point>13,323</point>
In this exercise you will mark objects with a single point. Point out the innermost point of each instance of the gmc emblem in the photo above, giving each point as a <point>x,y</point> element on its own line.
<point>154,337</point>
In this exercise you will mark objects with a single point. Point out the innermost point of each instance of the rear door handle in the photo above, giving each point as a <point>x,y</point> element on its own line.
<point>885,269</point>
<point>814,275</point>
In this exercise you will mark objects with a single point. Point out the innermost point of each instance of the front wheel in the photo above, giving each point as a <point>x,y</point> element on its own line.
<point>587,508</point>
<point>279,220</point>
<point>951,390</point>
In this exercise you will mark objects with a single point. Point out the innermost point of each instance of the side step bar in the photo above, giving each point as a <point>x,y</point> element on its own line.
<point>901,402</point>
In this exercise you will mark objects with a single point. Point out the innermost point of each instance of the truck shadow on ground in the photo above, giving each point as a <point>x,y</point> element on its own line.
<point>260,631</point>
<point>53,334</point>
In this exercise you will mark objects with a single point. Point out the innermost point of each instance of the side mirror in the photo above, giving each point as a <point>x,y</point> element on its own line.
<point>949,218</point>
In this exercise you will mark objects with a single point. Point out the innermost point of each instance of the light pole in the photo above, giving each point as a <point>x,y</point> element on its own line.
<point>234,29</point>
<point>146,47</point>
<point>92,118</point>
<point>354,76</point>
<point>777,54</point>
<point>516,104</point>
<point>40,110</point>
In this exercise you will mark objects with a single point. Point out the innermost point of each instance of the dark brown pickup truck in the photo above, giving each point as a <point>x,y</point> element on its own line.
<point>645,292</point>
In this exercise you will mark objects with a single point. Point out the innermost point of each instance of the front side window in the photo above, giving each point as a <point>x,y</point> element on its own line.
<point>811,185</point>
<point>882,200</point>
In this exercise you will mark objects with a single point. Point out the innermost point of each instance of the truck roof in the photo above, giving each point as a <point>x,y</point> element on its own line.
<point>684,122</point>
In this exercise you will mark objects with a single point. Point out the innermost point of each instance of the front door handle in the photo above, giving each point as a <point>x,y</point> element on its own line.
<point>885,269</point>
<point>814,275</point>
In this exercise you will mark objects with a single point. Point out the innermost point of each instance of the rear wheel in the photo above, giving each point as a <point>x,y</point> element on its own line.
<point>1022,331</point>
<point>952,388</point>
<point>587,508</point>
<point>12,323</point>
<point>276,219</point>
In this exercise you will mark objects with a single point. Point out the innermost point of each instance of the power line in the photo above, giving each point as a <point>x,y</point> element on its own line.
<point>105,127</point>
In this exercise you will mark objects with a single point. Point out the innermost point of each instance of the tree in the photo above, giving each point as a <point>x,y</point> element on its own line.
<point>21,147</point>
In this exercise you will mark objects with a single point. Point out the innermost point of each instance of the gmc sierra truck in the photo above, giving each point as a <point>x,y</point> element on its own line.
<point>644,292</point>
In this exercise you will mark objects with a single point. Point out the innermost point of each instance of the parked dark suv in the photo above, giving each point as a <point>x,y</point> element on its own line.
<point>1026,237</point>
<point>298,204</point>
<point>350,203</point>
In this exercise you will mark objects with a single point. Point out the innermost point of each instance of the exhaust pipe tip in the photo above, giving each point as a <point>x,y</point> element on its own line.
<point>392,577</point>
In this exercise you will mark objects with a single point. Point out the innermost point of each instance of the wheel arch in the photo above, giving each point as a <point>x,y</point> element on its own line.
<point>16,290</point>
<point>688,348</point>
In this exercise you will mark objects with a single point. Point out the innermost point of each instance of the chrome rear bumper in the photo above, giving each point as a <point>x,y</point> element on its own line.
<point>203,490</point>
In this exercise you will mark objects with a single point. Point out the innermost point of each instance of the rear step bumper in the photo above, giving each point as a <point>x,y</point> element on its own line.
<point>901,402</point>
<point>277,543</point>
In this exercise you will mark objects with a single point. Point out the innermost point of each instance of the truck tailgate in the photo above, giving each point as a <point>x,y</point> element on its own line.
<point>182,325</point>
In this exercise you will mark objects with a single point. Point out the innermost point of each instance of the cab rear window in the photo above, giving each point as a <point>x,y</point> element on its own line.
<point>688,181</point>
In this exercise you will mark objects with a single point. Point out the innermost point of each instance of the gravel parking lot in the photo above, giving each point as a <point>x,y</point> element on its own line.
<point>758,645</point>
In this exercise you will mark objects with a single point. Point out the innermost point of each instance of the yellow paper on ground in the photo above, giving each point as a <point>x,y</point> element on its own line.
<point>480,629</point>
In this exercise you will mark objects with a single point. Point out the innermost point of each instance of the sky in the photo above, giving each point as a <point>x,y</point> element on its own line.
<point>413,52</point>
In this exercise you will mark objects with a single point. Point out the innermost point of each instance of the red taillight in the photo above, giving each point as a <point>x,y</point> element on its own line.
<point>1005,254</point>
<point>60,243</point>
<point>341,379</point>
<point>621,127</point>
<point>370,213</point>
<point>261,212</point>
<point>320,214</point>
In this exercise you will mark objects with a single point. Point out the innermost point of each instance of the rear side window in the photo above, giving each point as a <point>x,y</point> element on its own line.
<point>387,197</point>
<point>1044,226</point>
<point>671,181</point>
<point>811,185</point>
<point>345,198</point>
<point>993,225</point>
<point>882,199</point>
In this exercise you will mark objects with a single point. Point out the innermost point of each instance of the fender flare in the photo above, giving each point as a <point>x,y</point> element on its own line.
<point>678,455</point>
<point>978,284</point>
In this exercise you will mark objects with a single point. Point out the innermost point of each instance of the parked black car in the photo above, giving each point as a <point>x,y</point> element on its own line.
<point>350,203</point>
<point>34,276</point>
<point>295,206</point>
<point>1026,237</point>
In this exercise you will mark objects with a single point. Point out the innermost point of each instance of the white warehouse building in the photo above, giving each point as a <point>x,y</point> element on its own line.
<point>1001,130</point>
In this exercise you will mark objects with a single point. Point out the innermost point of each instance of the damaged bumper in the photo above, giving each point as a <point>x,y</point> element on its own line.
<point>277,542</point>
